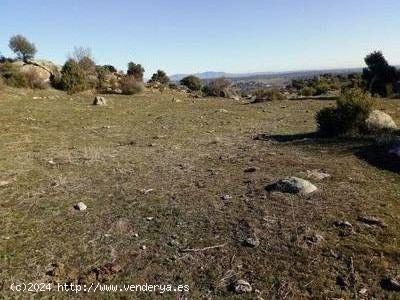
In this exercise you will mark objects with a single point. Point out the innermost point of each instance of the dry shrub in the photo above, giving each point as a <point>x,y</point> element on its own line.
<point>220,87</point>
<point>130,86</point>
<point>268,95</point>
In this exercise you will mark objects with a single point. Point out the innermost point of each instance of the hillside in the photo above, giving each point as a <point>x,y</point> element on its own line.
<point>175,189</point>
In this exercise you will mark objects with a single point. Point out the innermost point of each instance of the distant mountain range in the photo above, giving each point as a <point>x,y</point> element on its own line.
<point>265,75</point>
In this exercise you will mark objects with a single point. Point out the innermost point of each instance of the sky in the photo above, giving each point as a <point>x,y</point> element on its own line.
<point>234,36</point>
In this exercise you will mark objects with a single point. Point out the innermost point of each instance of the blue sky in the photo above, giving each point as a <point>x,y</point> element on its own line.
<point>220,35</point>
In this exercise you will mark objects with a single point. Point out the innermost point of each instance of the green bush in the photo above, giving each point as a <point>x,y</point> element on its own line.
<point>73,77</point>
<point>193,83</point>
<point>307,91</point>
<point>130,86</point>
<point>268,95</point>
<point>353,108</point>
<point>321,88</point>
<point>12,75</point>
<point>160,77</point>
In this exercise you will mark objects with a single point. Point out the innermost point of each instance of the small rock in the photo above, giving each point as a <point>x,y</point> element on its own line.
<point>363,291</point>
<point>252,242</point>
<point>317,175</point>
<point>80,206</point>
<point>4,182</point>
<point>226,197</point>
<point>343,224</point>
<point>51,162</point>
<point>222,110</point>
<point>144,247</point>
<point>314,239</point>
<point>149,218</point>
<point>146,191</point>
<point>390,284</point>
<point>250,170</point>
<point>293,185</point>
<point>99,101</point>
<point>372,221</point>
<point>136,234</point>
<point>242,286</point>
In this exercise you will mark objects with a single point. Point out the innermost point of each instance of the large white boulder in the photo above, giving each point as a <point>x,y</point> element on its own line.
<point>379,121</point>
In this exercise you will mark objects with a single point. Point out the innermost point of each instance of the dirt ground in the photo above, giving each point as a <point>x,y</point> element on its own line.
<point>165,176</point>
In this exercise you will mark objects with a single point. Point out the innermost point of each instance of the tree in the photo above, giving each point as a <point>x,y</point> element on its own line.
<point>22,47</point>
<point>73,77</point>
<point>160,77</point>
<point>192,83</point>
<point>135,70</point>
<point>379,75</point>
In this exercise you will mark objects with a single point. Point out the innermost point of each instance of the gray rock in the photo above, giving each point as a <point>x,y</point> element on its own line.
<point>252,241</point>
<point>242,286</point>
<point>372,221</point>
<point>80,206</point>
<point>293,185</point>
<point>379,121</point>
<point>99,101</point>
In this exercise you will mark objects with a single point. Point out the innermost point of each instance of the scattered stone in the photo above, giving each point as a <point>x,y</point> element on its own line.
<point>176,100</point>
<point>99,101</point>
<point>293,185</point>
<point>343,224</point>
<point>250,170</point>
<point>4,182</point>
<point>242,286</point>
<point>363,291</point>
<point>149,218</point>
<point>146,191</point>
<point>379,121</point>
<point>314,239</point>
<point>372,221</point>
<point>222,110</point>
<point>143,247</point>
<point>251,242</point>
<point>226,197</point>
<point>136,234</point>
<point>390,284</point>
<point>51,162</point>
<point>80,206</point>
<point>317,175</point>
<point>102,273</point>
<point>345,227</point>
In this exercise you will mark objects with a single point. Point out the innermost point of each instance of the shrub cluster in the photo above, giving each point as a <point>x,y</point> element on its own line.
<point>220,87</point>
<point>268,95</point>
<point>193,83</point>
<point>352,109</point>
<point>12,75</point>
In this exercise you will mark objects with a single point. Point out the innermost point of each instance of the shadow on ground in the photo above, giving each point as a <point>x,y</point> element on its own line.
<point>364,148</point>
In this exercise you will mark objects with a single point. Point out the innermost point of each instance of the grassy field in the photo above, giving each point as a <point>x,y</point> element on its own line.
<point>155,170</point>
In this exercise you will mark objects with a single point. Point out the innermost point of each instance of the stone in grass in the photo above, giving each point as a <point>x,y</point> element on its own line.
<point>99,101</point>
<point>242,286</point>
<point>293,185</point>
<point>80,206</point>
<point>390,284</point>
<point>317,175</point>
